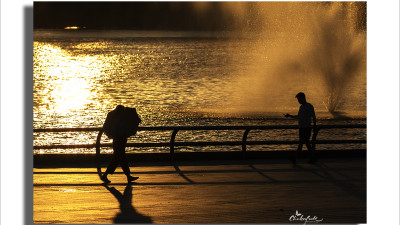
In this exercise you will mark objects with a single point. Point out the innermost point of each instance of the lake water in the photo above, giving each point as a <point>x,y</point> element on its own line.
<point>172,78</point>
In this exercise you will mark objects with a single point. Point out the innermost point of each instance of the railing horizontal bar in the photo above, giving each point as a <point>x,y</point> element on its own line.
<point>341,142</point>
<point>237,143</point>
<point>267,127</point>
<point>182,144</point>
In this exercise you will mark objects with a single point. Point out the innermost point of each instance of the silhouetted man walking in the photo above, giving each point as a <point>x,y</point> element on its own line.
<point>120,123</point>
<point>306,113</point>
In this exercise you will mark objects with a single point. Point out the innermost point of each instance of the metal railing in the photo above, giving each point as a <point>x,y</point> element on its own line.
<point>175,129</point>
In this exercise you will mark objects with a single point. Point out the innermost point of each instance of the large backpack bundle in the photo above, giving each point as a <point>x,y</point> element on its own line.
<point>121,122</point>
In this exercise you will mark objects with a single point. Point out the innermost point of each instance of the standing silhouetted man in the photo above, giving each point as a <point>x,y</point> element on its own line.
<point>306,113</point>
<point>120,123</point>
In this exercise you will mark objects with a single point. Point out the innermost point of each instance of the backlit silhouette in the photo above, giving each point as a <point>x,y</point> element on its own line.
<point>120,123</point>
<point>306,113</point>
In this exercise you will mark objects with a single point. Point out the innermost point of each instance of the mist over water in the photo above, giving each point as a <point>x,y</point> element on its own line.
<point>311,47</point>
<point>339,54</point>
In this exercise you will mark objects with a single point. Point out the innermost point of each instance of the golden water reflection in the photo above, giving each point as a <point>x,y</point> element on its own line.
<point>66,85</point>
<point>69,80</point>
<point>170,81</point>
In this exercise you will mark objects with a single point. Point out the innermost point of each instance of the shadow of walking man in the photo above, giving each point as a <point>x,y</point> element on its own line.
<point>128,213</point>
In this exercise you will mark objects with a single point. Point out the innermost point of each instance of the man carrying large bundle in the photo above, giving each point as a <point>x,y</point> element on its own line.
<point>121,123</point>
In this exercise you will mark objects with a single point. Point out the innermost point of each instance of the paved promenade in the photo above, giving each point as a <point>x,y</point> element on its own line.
<point>248,191</point>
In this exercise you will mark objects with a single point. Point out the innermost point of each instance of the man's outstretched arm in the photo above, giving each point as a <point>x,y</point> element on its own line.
<point>287,115</point>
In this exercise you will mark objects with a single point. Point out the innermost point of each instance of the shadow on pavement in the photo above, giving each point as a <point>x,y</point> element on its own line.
<point>128,213</point>
<point>327,173</point>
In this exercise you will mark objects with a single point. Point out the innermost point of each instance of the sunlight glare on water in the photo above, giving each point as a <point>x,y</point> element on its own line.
<point>69,80</point>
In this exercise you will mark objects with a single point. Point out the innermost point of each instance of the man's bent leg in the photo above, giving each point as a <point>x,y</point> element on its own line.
<point>125,165</point>
<point>297,152</point>
<point>312,153</point>
<point>113,165</point>
<point>119,149</point>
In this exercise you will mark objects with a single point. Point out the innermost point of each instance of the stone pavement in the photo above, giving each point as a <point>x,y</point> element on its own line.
<point>248,191</point>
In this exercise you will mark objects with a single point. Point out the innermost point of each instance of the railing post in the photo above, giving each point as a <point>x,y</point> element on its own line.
<point>172,147</point>
<point>244,142</point>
